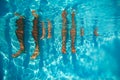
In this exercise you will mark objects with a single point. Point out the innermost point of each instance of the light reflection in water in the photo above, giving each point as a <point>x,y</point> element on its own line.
<point>93,58</point>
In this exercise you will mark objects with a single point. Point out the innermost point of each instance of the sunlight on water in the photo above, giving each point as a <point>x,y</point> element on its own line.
<point>96,58</point>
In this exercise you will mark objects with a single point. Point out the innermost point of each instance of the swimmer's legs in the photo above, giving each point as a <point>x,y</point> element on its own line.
<point>73,34</point>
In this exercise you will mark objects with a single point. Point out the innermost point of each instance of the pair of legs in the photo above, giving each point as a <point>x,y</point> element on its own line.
<point>73,34</point>
<point>49,30</point>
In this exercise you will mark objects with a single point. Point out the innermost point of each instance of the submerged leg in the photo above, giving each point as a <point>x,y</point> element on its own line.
<point>43,31</point>
<point>49,29</point>
<point>64,31</point>
<point>19,34</point>
<point>36,52</point>
<point>73,34</point>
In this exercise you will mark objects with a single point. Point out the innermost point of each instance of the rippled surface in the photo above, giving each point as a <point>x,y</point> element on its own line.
<point>95,59</point>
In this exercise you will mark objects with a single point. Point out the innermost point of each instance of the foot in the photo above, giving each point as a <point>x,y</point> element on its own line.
<point>73,50</point>
<point>17,54</point>
<point>49,35</point>
<point>35,54</point>
<point>42,37</point>
<point>63,50</point>
<point>96,34</point>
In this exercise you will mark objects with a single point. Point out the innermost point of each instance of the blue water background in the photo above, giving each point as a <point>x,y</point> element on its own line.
<point>96,58</point>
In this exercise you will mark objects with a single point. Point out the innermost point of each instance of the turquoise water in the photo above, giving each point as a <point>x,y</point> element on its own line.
<point>96,58</point>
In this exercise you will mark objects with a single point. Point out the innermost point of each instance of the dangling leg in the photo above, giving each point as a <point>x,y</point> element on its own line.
<point>64,31</point>
<point>49,29</point>
<point>43,31</point>
<point>73,33</point>
<point>64,40</point>
<point>36,52</point>
<point>19,34</point>
<point>19,52</point>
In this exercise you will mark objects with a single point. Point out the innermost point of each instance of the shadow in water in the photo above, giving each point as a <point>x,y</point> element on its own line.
<point>77,68</point>
<point>116,55</point>
<point>11,66</point>
<point>113,50</point>
<point>3,7</point>
<point>80,69</point>
<point>53,51</point>
<point>7,36</point>
<point>41,43</point>
<point>82,40</point>
<point>95,41</point>
<point>65,58</point>
<point>13,6</point>
<point>1,66</point>
<point>26,38</point>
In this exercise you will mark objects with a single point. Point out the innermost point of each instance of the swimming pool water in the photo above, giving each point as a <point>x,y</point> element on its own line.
<point>96,58</point>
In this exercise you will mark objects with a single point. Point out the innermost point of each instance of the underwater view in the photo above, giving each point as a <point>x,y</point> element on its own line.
<point>59,39</point>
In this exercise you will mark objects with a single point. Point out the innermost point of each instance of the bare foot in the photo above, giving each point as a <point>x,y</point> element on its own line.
<point>49,35</point>
<point>35,54</point>
<point>73,50</point>
<point>34,13</point>
<point>17,54</point>
<point>42,37</point>
<point>63,49</point>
